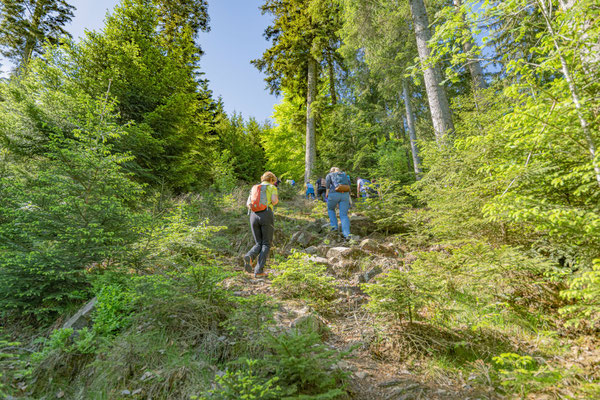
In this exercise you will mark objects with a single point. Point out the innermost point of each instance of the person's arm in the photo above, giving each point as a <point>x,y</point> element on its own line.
<point>358,189</point>
<point>274,197</point>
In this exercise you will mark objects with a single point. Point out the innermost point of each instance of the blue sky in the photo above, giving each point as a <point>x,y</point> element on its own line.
<point>235,39</point>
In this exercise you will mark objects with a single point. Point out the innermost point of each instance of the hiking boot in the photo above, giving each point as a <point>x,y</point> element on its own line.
<point>249,264</point>
<point>261,275</point>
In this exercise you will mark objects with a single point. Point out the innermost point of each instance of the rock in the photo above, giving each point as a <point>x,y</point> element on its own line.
<point>372,246</point>
<point>310,323</point>
<point>136,391</point>
<point>361,374</point>
<point>318,260</point>
<point>325,227</point>
<point>302,238</point>
<point>344,252</point>
<point>345,268</point>
<point>317,226</point>
<point>370,274</point>
<point>83,317</point>
<point>361,225</point>
<point>311,250</point>
<point>391,383</point>
<point>322,250</point>
<point>346,366</point>
<point>125,392</point>
<point>387,263</point>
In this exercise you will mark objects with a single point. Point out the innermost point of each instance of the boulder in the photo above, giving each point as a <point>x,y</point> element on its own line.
<point>317,226</point>
<point>370,274</point>
<point>313,250</point>
<point>344,252</point>
<point>322,250</point>
<point>302,238</point>
<point>362,225</point>
<point>345,268</point>
<point>83,317</point>
<point>373,246</point>
<point>318,260</point>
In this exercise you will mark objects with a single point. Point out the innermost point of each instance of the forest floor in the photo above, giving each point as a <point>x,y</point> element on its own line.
<point>377,370</point>
<point>176,343</point>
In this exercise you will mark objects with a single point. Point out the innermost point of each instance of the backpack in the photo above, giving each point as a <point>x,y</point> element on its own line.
<point>258,198</point>
<point>341,182</point>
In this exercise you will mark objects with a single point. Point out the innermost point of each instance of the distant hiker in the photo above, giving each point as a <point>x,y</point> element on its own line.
<point>321,189</point>
<point>337,184</point>
<point>260,202</point>
<point>278,182</point>
<point>362,188</point>
<point>310,191</point>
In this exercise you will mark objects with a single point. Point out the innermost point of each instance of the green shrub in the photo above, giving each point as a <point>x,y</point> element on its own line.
<point>306,368</point>
<point>9,363</point>
<point>223,170</point>
<point>303,279</point>
<point>244,385</point>
<point>584,291</point>
<point>113,309</point>
<point>523,374</point>
<point>401,294</point>
<point>388,207</point>
<point>285,191</point>
<point>472,283</point>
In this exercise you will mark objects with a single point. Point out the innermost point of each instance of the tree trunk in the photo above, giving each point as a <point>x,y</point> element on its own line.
<point>331,80</point>
<point>410,122</point>
<point>473,65</point>
<point>573,89</point>
<point>32,37</point>
<point>311,93</point>
<point>438,102</point>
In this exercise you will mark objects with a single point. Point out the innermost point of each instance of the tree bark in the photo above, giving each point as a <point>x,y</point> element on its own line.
<point>410,122</point>
<point>441,115</point>
<point>311,93</point>
<point>331,67</point>
<point>474,67</point>
<point>574,90</point>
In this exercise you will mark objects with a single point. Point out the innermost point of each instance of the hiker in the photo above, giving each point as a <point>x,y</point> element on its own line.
<point>321,189</point>
<point>310,190</point>
<point>337,184</point>
<point>362,188</point>
<point>260,203</point>
<point>278,182</point>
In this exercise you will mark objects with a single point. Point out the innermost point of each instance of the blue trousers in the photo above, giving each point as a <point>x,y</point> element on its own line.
<point>343,199</point>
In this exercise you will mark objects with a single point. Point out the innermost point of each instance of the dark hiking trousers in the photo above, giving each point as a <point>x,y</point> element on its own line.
<point>262,227</point>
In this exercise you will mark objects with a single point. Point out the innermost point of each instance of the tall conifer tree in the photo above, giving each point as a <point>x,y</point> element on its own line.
<point>26,24</point>
<point>303,36</point>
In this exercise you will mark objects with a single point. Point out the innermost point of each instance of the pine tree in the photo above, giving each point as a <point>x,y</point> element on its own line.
<point>303,35</point>
<point>25,25</point>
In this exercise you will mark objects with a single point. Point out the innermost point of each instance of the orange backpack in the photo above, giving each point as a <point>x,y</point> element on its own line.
<point>258,198</point>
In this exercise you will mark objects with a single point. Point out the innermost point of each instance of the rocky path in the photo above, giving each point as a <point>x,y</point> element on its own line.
<point>352,327</point>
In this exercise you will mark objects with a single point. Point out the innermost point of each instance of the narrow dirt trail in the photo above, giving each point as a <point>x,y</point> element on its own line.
<point>353,328</point>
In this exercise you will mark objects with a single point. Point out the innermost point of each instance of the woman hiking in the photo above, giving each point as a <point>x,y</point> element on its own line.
<point>337,184</point>
<point>260,203</point>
